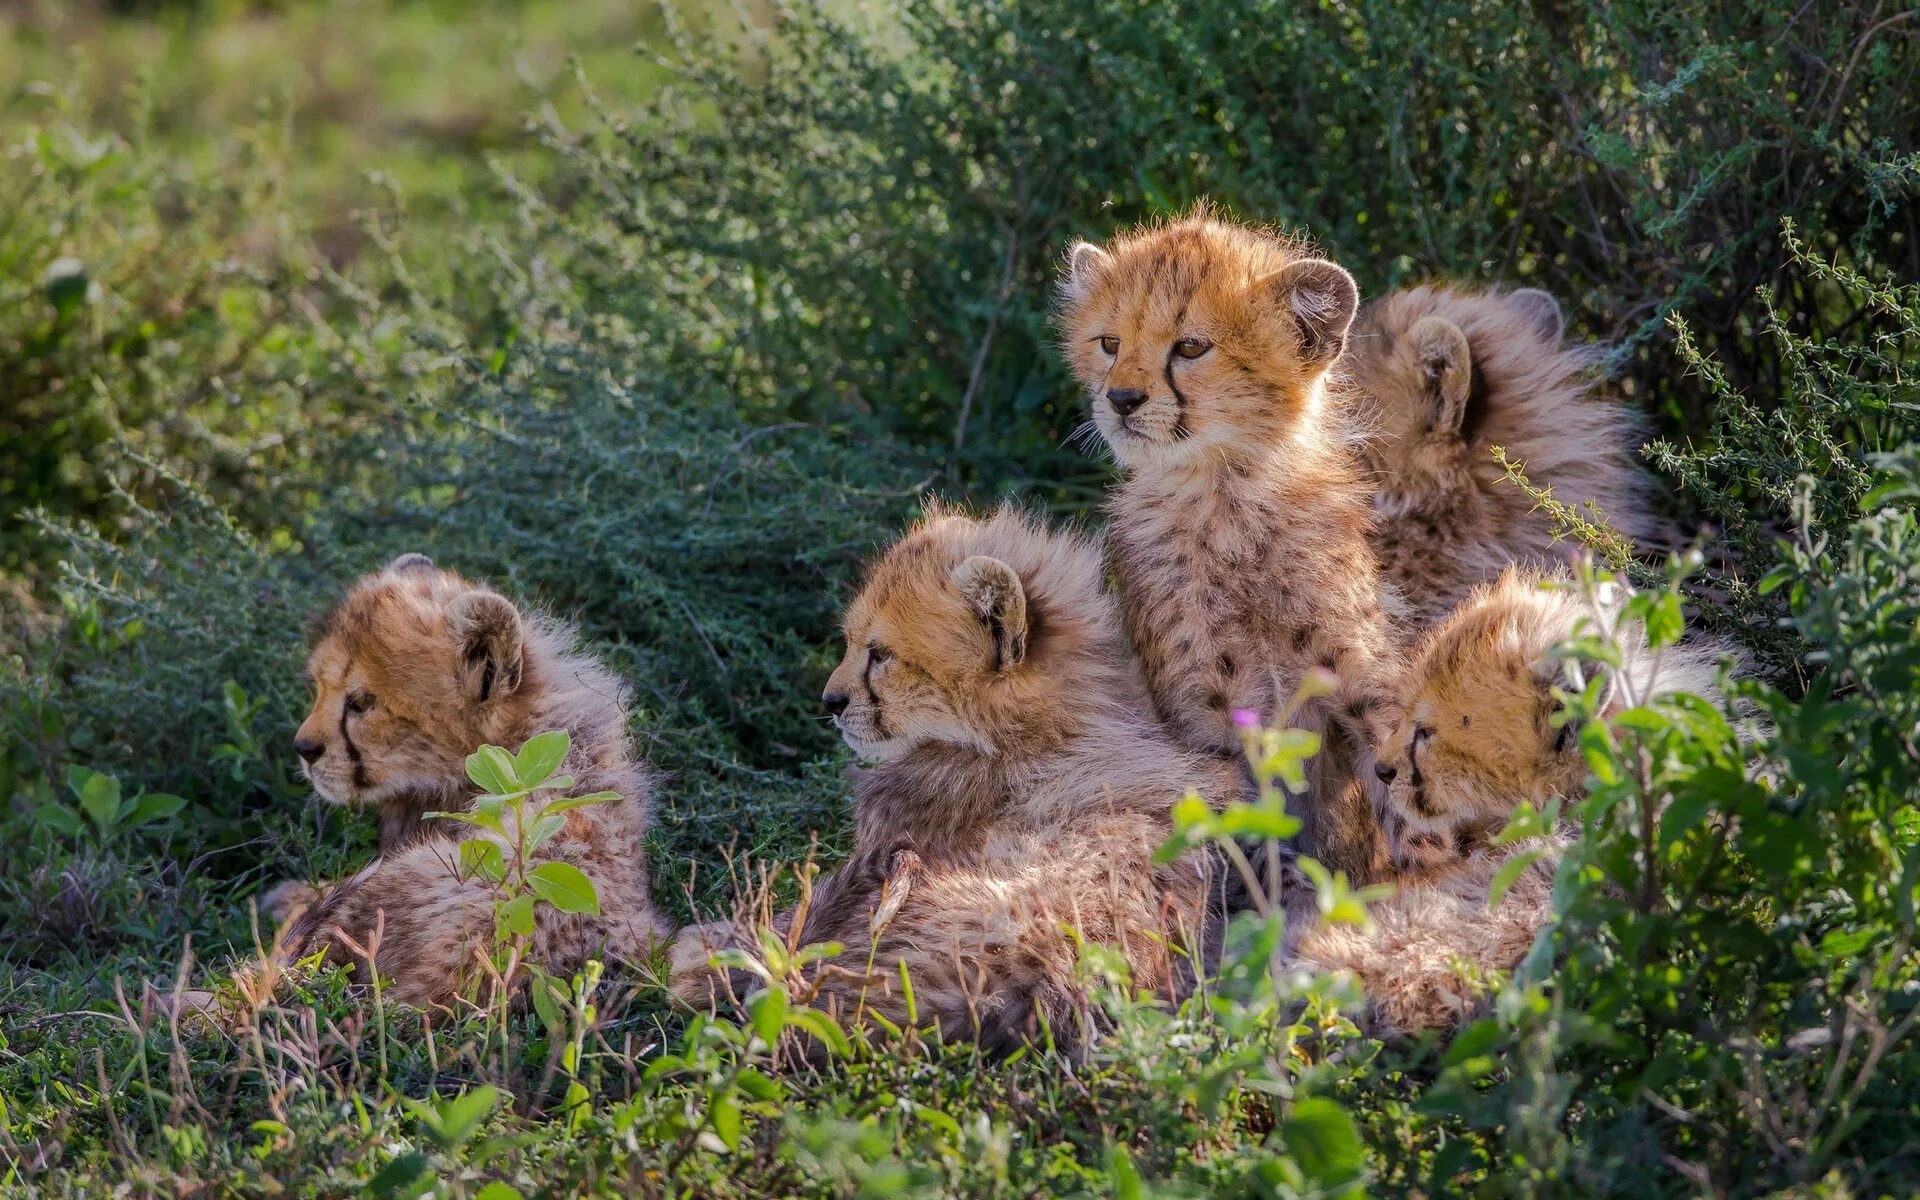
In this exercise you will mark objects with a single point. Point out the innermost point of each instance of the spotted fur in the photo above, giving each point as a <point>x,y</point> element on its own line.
<point>1240,533</point>
<point>1442,376</point>
<point>413,671</point>
<point>1019,777</point>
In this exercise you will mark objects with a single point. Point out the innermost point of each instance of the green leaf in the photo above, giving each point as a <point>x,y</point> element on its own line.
<point>66,285</point>
<point>515,917</point>
<point>726,1119</point>
<point>1664,623</point>
<point>572,802</point>
<point>1258,821</point>
<point>498,1191</point>
<point>406,1169</point>
<point>543,828</point>
<point>540,757</point>
<point>566,887</point>
<point>99,795</point>
<point>756,1084</point>
<point>767,1013</point>
<point>549,1001</point>
<point>492,771</point>
<point>450,1123</point>
<point>1509,872</point>
<point>154,806</point>
<point>1320,1135</point>
<point>60,818</point>
<point>482,858</point>
<point>820,1025</point>
<point>1127,1184</point>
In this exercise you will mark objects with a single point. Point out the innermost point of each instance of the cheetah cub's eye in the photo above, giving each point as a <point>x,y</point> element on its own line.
<point>1189,347</point>
<point>359,703</point>
<point>1109,345</point>
<point>1422,735</point>
<point>877,657</point>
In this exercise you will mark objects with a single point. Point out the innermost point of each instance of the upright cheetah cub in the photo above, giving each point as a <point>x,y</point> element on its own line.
<point>1442,376</point>
<point>413,671</point>
<point>1020,787</point>
<point>1240,531</point>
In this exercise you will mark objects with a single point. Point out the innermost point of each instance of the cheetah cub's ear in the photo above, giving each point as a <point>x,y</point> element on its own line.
<point>491,639</point>
<point>1085,264</point>
<point>1448,363</point>
<point>992,590</point>
<point>1541,312</point>
<point>1320,298</point>
<point>411,562</point>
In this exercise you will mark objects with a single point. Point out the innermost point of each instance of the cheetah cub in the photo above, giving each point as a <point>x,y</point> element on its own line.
<point>1477,737</point>
<point>1019,788</point>
<point>416,669</point>
<point>1477,740</point>
<point>1444,375</point>
<point>1240,530</point>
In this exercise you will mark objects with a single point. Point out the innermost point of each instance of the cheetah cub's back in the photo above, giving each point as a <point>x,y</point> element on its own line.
<point>1442,375</point>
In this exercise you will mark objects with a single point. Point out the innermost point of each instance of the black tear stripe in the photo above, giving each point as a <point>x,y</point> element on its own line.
<point>1179,401</point>
<point>360,779</point>
<point>873,700</point>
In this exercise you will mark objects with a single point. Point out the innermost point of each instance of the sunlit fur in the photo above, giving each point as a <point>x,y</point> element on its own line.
<point>1240,531</point>
<point>1445,374</point>
<point>1019,761</point>
<point>1435,949</point>
<point>1478,738</point>
<point>441,667</point>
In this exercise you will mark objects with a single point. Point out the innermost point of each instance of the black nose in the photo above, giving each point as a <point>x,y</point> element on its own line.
<point>1385,771</point>
<point>1125,400</point>
<point>836,702</point>
<point>308,748</point>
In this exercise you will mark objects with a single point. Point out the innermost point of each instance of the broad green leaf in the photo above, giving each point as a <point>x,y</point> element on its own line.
<point>99,799</point>
<point>544,827</point>
<point>767,1012</point>
<point>549,1002</point>
<point>406,1176</point>
<point>566,887</point>
<point>1256,821</point>
<point>499,1191</point>
<point>756,1084</point>
<point>725,1118</point>
<point>154,806</point>
<point>483,859</point>
<point>515,916</point>
<point>491,770</point>
<point>1320,1135</point>
<point>450,1123</point>
<point>60,818</point>
<point>540,757</point>
<point>820,1025</point>
<point>480,818</point>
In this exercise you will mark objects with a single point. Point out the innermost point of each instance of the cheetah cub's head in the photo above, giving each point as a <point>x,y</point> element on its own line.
<point>1201,333</point>
<point>1478,736</point>
<point>1433,363</point>
<point>412,671</point>
<point>967,632</point>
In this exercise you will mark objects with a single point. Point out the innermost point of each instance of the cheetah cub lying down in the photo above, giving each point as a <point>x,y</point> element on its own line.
<point>1020,787</point>
<point>1477,740</point>
<point>415,670</point>
<point>1442,376</point>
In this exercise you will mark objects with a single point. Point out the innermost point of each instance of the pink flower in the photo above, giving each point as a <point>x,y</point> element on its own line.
<point>1246,718</point>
